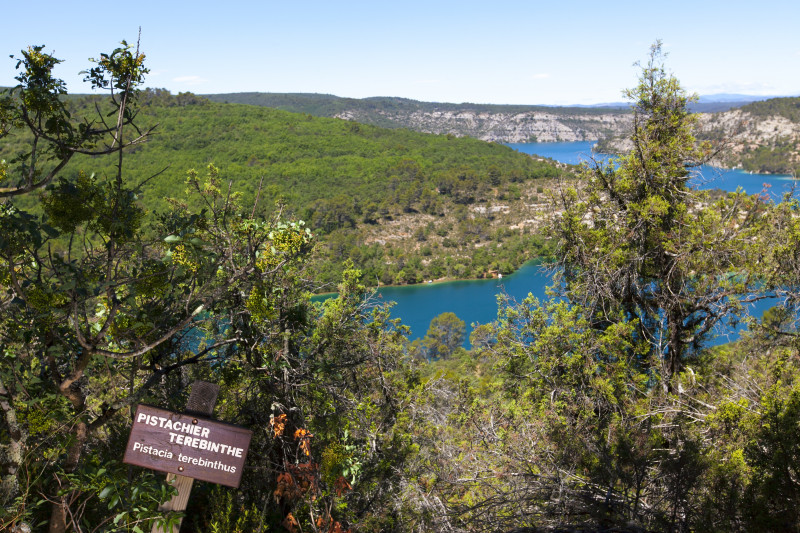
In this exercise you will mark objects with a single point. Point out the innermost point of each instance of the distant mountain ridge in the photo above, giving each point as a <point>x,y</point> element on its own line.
<point>709,103</point>
<point>488,122</point>
<point>328,103</point>
<point>761,134</point>
<point>736,97</point>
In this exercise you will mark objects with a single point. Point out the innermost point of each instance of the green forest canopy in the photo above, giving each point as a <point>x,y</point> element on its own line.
<point>302,159</point>
<point>333,174</point>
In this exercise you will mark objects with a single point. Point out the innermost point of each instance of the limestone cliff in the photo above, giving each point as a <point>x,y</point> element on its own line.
<point>529,126</point>
<point>763,137</point>
<point>760,136</point>
<point>754,141</point>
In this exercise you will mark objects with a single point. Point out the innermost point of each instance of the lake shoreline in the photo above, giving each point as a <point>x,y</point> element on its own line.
<point>536,262</point>
<point>475,300</point>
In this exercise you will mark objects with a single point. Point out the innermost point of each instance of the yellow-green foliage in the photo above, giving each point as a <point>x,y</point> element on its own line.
<point>73,202</point>
<point>286,243</point>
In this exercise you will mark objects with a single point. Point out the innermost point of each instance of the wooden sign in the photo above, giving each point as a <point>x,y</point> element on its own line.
<point>188,445</point>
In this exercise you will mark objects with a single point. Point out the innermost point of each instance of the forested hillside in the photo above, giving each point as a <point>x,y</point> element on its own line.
<point>758,136</point>
<point>499,123</point>
<point>327,105</point>
<point>404,206</point>
<point>304,159</point>
<point>601,408</point>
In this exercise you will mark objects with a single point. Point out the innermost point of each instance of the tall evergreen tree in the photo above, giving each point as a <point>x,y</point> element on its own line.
<point>639,239</point>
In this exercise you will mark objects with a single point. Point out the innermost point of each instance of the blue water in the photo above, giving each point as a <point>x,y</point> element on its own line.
<point>475,301</point>
<point>704,177</point>
<point>573,153</point>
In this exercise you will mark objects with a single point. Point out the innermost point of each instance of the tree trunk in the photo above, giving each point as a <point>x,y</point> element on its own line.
<point>11,453</point>
<point>60,506</point>
<point>672,359</point>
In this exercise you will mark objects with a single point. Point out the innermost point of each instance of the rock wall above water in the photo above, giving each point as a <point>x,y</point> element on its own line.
<point>534,126</point>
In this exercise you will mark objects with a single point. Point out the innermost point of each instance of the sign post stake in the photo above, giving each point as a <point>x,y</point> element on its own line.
<point>201,402</point>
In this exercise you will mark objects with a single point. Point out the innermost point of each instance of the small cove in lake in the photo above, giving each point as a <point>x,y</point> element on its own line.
<point>475,301</point>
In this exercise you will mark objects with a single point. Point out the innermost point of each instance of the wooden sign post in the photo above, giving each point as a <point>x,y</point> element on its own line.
<point>188,446</point>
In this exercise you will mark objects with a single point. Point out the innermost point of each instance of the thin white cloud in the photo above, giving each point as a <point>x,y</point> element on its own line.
<point>540,76</point>
<point>431,81</point>
<point>190,80</point>
<point>743,87</point>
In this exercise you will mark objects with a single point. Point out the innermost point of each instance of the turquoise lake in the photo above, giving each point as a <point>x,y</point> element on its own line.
<point>475,301</point>
<point>704,176</point>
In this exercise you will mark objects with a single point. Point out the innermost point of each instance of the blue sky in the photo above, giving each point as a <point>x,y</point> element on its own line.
<point>503,52</point>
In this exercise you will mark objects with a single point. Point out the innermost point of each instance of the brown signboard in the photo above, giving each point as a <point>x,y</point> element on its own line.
<point>188,445</point>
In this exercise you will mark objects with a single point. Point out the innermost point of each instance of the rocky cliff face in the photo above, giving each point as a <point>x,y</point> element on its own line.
<point>741,139</point>
<point>754,142</point>
<point>537,126</point>
<point>762,136</point>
